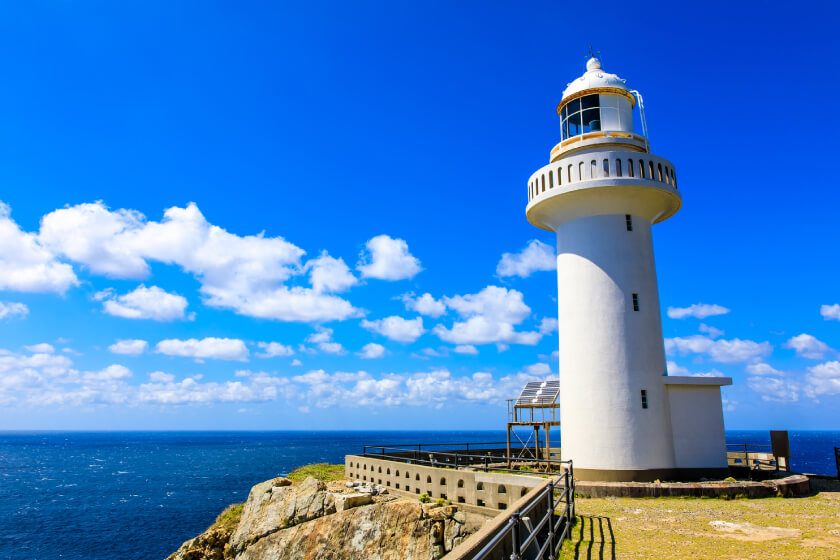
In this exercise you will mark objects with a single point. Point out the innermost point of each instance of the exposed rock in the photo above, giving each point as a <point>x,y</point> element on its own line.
<point>209,545</point>
<point>347,501</point>
<point>274,505</point>
<point>398,530</point>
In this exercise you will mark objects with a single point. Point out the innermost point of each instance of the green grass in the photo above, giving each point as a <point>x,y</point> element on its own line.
<point>324,472</point>
<point>229,518</point>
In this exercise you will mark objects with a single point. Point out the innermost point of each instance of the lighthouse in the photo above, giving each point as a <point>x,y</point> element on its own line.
<point>623,418</point>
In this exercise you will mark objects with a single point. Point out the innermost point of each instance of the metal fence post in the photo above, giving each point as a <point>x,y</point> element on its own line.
<point>836,460</point>
<point>550,514</point>
<point>485,463</point>
<point>517,538</point>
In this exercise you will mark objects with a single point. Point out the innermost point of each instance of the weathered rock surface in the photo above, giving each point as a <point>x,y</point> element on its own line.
<point>275,504</point>
<point>398,530</point>
<point>307,521</point>
<point>209,545</point>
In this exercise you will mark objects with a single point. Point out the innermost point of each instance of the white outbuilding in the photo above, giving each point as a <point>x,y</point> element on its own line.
<point>622,416</point>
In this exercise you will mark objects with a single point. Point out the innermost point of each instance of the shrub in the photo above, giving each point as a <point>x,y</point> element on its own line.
<point>424,498</point>
<point>229,518</point>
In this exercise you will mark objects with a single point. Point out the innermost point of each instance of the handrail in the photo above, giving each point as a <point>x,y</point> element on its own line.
<point>552,544</point>
<point>466,459</point>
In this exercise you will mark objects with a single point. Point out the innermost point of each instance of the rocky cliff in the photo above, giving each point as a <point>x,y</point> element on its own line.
<point>335,521</point>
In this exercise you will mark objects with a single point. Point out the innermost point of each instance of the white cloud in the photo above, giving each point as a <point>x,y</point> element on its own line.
<point>538,369</point>
<point>42,348</point>
<point>490,316</point>
<point>327,274</point>
<point>548,325</point>
<point>387,258</point>
<point>698,311</point>
<point>26,265</point>
<point>762,368</point>
<point>807,346</point>
<point>823,379</point>
<point>830,312</point>
<point>724,351</point>
<point>144,303</point>
<point>242,273</point>
<point>12,309</point>
<point>274,349</point>
<point>260,387</point>
<point>534,257</point>
<point>466,349</point>
<point>161,377</point>
<point>397,328</point>
<point>297,362</point>
<point>132,347</point>
<point>711,331</point>
<point>675,369</point>
<point>774,389</point>
<point>322,337</point>
<point>206,348</point>
<point>424,305</point>
<point>372,350</point>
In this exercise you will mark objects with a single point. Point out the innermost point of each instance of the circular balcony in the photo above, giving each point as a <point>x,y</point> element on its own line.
<point>604,182</point>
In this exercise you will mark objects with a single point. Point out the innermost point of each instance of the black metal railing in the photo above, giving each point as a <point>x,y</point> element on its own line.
<point>485,458</point>
<point>551,528</point>
<point>837,460</point>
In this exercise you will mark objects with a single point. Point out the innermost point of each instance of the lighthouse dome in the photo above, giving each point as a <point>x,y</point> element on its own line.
<point>593,78</point>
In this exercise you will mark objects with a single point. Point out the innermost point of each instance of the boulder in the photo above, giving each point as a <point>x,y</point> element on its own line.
<point>275,505</point>
<point>398,530</point>
<point>347,501</point>
<point>209,545</point>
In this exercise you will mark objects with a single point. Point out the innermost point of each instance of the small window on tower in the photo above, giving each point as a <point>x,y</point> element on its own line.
<point>635,302</point>
<point>644,399</point>
<point>628,219</point>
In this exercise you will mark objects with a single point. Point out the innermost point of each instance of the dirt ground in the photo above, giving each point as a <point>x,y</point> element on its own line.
<point>700,529</point>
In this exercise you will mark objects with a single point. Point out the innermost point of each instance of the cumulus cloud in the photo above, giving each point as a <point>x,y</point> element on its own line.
<point>274,349</point>
<point>387,258</point>
<point>327,274</point>
<point>206,348</point>
<point>424,305</point>
<point>490,316</point>
<point>808,346</point>
<point>698,311</point>
<point>711,331</point>
<point>762,368</point>
<point>397,328</point>
<point>830,312</point>
<point>322,338</point>
<point>246,274</point>
<point>144,303</point>
<point>774,389</point>
<point>260,387</point>
<point>13,309</point>
<point>823,379</point>
<point>132,347</point>
<point>675,369</point>
<point>372,350</point>
<point>538,369</point>
<point>26,265</point>
<point>718,350</point>
<point>42,348</point>
<point>466,349</point>
<point>534,257</point>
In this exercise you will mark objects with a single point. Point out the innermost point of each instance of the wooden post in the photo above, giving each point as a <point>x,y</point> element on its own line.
<point>537,442</point>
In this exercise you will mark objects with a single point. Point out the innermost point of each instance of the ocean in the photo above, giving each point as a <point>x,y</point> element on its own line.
<point>139,495</point>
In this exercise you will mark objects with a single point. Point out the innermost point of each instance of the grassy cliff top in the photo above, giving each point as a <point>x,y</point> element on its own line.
<point>700,529</point>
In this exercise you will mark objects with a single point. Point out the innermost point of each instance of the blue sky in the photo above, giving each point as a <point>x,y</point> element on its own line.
<point>227,216</point>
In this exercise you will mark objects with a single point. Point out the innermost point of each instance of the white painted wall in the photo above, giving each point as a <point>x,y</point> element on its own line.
<point>697,424</point>
<point>608,352</point>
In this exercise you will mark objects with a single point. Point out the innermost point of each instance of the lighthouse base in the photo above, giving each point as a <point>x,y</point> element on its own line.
<point>650,475</point>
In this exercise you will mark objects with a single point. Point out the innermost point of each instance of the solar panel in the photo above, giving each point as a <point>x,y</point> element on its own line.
<point>539,392</point>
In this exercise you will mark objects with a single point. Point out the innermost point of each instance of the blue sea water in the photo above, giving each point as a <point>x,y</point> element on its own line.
<point>139,495</point>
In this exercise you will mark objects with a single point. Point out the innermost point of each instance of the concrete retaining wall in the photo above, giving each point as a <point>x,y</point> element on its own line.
<point>796,485</point>
<point>480,492</point>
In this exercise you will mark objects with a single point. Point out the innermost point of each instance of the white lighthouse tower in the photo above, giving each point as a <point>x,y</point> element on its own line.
<point>622,416</point>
